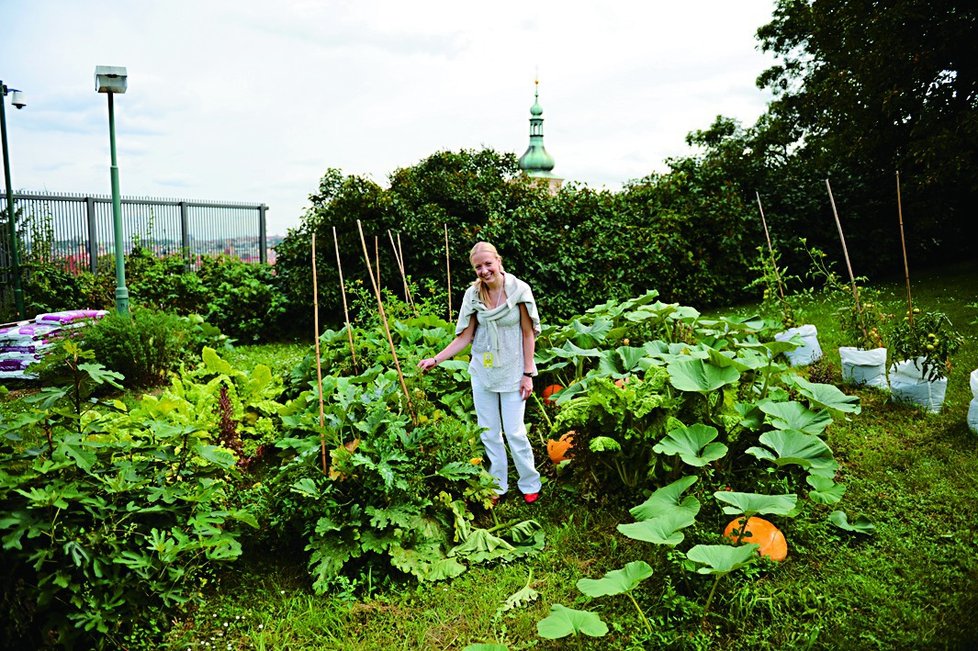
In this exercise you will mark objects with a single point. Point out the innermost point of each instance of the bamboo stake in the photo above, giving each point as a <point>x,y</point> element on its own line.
<point>346,311</point>
<point>383,318</point>
<point>767,236</point>
<point>319,364</point>
<point>406,286</point>
<point>448,270</point>
<point>845,251</point>
<point>903,245</point>
<point>399,259</point>
<point>376,259</point>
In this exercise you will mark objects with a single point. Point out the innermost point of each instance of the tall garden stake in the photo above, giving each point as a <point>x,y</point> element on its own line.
<point>319,364</point>
<point>903,245</point>
<point>767,236</point>
<point>845,252</point>
<point>400,252</point>
<point>383,318</point>
<point>448,270</point>
<point>346,311</point>
<point>399,259</point>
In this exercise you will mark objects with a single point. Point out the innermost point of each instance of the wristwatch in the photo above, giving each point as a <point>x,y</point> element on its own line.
<point>528,375</point>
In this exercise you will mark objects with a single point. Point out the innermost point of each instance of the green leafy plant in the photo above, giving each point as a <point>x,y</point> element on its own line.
<point>859,309</point>
<point>146,344</point>
<point>395,495</point>
<point>118,513</point>
<point>773,279</point>
<point>928,338</point>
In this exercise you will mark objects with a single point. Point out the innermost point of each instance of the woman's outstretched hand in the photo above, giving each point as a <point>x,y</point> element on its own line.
<point>427,364</point>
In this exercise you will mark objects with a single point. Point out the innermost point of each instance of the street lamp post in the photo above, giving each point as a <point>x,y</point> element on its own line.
<point>112,80</point>
<point>17,99</point>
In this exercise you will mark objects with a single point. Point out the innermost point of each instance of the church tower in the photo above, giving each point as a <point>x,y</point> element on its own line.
<point>536,163</point>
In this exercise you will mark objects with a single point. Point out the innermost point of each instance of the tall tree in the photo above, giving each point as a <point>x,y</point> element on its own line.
<point>872,87</point>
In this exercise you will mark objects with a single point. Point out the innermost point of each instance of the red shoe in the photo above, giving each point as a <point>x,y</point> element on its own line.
<point>530,498</point>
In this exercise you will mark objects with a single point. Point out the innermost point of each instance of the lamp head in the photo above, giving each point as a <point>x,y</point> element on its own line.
<point>18,99</point>
<point>110,79</point>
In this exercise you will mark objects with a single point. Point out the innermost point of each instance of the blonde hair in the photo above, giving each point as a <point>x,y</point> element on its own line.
<point>482,287</point>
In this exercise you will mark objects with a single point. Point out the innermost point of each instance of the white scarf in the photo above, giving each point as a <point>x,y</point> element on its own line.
<point>517,292</point>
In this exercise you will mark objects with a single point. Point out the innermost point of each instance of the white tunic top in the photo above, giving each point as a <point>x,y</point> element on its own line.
<point>497,348</point>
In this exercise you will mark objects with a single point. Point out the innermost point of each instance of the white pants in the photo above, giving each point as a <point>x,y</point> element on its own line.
<point>503,412</point>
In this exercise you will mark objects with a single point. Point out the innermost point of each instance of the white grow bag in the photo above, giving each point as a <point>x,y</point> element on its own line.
<point>808,352</point>
<point>864,367</point>
<point>973,409</point>
<point>908,385</point>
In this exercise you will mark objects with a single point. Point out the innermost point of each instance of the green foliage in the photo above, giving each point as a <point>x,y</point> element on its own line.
<point>929,337</point>
<point>243,299</point>
<point>118,513</point>
<point>913,91</point>
<point>395,494</point>
<point>145,345</point>
<point>863,321</point>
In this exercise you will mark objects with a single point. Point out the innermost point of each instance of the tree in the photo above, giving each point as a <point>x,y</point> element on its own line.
<point>875,87</point>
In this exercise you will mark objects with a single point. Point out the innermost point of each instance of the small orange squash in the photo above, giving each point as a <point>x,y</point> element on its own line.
<point>549,393</point>
<point>557,450</point>
<point>760,531</point>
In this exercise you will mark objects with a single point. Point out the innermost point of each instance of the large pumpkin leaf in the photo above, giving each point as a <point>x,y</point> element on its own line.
<point>661,530</point>
<point>826,490</point>
<point>700,376</point>
<point>794,415</point>
<point>861,524</point>
<point>616,581</point>
<point>826,395</point>
<point>795,448</point>
<point>563,621</point>
<point>668,499</point>
<point>749,504</point>
<point>692,444</point>
<point>721,559</point>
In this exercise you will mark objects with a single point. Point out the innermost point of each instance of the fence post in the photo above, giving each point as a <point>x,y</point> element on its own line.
<point>185,233</point>
<point>262,235</point>
<point>92,235</point>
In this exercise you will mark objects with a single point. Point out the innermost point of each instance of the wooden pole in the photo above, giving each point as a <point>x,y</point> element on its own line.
<point>399,259</point>
<point>767,236</point>
<point>903,245</point>
<point>319,364</point>
<point>346,311</point>
<point>404,274</point>
<point>383,318</point>
<point>845,252</point>
<point>448,270</point>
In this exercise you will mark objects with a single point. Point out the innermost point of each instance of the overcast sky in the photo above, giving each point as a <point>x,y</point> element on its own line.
<point>251,101</point>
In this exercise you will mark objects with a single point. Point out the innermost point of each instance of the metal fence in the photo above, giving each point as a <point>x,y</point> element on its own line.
<point>77,229</point>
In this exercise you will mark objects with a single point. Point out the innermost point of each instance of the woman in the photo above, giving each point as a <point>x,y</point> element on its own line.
<point>498,317</point>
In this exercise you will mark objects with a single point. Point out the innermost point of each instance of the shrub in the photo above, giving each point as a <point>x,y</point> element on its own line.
<point>112,516</point>
<point>147,344</point>
<point>242,299</point>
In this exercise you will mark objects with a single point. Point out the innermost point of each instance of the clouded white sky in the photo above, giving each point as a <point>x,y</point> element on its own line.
<point>251,100</point>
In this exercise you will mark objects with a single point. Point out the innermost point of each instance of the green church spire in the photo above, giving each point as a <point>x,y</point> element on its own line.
<point>536,162</point>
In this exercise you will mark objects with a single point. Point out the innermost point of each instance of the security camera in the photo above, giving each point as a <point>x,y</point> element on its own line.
<point>17,99</point>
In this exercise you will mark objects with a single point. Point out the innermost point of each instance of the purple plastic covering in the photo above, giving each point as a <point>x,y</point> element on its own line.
<point>31,348</point>
<point>69,316</point>
<point>15,364</point>
<point>28,332</point>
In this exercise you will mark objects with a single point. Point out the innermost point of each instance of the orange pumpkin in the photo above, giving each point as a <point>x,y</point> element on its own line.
<point>557,450</point>
<point>760,531</point>
<point>549,393</point>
